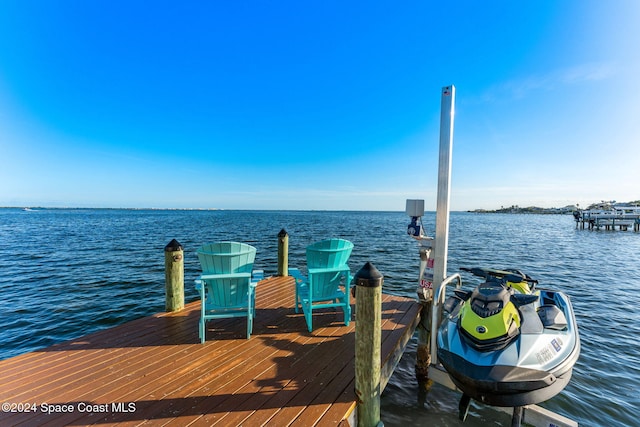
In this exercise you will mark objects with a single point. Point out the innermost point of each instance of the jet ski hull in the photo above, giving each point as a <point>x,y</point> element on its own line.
<point>506,386</point>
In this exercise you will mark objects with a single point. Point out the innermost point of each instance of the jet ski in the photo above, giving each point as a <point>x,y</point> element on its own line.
<point>507,343</point>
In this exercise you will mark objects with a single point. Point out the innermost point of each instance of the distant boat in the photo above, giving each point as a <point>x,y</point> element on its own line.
<point>27,209</point>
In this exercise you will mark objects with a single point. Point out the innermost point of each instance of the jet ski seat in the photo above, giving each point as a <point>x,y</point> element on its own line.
<point>531,322</point>
<point>552,317</point>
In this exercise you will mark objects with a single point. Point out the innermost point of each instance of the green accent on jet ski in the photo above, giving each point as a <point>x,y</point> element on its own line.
<point>491,327</point>
<point>522,287</point>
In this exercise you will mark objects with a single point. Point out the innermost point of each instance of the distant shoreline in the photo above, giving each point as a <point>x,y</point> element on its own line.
<point>514,209</point>
<point>37,208</point>
<point>569,209</point>
<point>75,208</point>
<point>529,210</point>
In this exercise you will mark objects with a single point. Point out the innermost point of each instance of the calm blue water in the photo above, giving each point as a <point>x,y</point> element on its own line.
<point>66,273</point>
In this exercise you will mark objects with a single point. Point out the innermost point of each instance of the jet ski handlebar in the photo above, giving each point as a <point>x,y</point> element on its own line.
<point>507,275</point>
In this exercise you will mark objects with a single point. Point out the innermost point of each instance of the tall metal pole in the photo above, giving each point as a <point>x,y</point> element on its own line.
<point>444,190</point>
<point>441,243</point>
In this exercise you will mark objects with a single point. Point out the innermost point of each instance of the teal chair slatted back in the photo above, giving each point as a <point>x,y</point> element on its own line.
<point>329,253</point>
<point>325,284</point>
<point>228,292</point>
<point>226,258</point>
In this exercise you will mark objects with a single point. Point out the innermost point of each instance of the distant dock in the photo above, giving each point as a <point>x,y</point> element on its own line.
<point>155,371</point>
<point>608,217</point>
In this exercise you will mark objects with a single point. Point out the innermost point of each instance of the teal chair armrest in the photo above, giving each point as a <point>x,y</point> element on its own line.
<point>198,282</point>
<point>224,276</point>
<point>297,275</point>
<point>343,268</point>
<point>257,275</point>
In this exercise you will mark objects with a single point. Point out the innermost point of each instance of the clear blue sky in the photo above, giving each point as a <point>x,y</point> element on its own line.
<point>317,104</point>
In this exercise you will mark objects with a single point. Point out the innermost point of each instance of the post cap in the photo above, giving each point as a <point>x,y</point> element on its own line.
<point>368,276</point>
<point>282,233</point>
<point>173,246</point>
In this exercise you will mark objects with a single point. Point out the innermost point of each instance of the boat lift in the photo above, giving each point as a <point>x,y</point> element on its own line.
<point>433,281</point>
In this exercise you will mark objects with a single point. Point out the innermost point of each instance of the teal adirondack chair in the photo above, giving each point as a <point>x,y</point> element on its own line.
<point>227,286</point>
<point>328,274</point>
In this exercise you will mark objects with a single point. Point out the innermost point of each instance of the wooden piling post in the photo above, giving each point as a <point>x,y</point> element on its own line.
<point>283,253</point>
<point>368,281</point>
<point>423,352</point>
<point>425,297</point>
<point>174,276</point>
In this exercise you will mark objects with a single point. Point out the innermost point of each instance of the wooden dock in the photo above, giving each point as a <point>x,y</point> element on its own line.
<point>608,224</point>
<point>154,371</point>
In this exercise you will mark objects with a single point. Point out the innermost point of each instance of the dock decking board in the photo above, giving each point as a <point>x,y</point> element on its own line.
<point>283,375</point>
